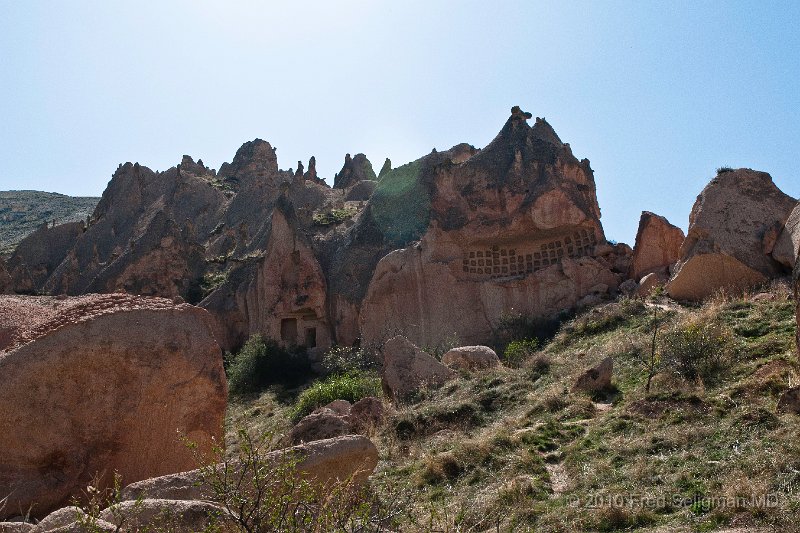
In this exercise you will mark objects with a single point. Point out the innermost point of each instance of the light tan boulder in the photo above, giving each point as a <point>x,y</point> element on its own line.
<point>59,518</point>
<point>471,358</point>
<point>730,228</point>
<point>178,516</point>
<point>406,369</point>
<point>322,424</point>
<point>648,283</point>
<point>658,245</point>
<point>102,384</point>
<point>787,244</point>
<point>597,378</point>
<point>323,461</point>
<point>701,275</point>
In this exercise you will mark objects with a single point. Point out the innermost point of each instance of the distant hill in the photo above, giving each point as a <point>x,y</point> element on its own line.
<point>21,212</point>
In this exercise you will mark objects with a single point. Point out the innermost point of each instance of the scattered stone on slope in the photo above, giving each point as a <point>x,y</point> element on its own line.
<point>597,378</point>
<point>725,245</point>
<point>322,461</point>
<point>658,245</point>
<point>648,283</point>
<point>789,402</point>
<point>102,384</point>
<point>471,358</point>
<point>406,369</point>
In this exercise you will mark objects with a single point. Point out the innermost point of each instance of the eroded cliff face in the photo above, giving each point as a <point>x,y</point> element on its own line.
<point>441,245</point>
<point>513,228</point>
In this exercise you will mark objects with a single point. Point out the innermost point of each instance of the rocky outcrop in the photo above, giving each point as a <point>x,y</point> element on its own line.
<point>99,384</point>
<point>178,516</point>
<point>512,227</point>
<point>38,255</point>
<point>406,369</point>
<point>787,244</point>
<point>355,169</point>
<point>597,378</point>
<point>471,358</point>
<point>658,246</point>
<point>337,419</point>
<point>649,283</point>
<point>323,462</point>
<point>797,298</point>
<point>732,231</point>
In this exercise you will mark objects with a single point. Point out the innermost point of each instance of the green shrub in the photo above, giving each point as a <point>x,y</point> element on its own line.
<point>262,362</point>
<point>335,216</point>
<point>697,349</point>
<point>518,351</point>
<point>346,359</point>
<point>352,387</point>
<point>724,169</point>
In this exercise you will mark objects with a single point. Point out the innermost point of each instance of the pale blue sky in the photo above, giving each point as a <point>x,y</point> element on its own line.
<point>655,94</point>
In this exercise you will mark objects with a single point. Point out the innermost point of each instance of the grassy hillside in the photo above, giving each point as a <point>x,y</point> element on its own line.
<point>515,449</point>
<point>21,212</point>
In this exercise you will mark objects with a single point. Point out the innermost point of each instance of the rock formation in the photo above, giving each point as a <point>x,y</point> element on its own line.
<point>597,378</point>
<point>322,461</point>
<point>732,230</point>
<point>471,358</point>
<point>658,246</point>
<point>99,384</point>
<point>787,244</point>
<point>514,226</point>
<point>355,169</point>
<point>406,369</point>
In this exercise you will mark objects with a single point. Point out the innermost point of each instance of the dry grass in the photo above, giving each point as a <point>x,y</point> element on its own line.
<point>691,455</point>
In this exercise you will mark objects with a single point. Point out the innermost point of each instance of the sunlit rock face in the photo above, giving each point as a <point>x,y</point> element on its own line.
<point>514,227</point>
<point>733,228</point>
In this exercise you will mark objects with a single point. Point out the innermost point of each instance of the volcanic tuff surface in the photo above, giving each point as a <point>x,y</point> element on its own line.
<point>22,212</point>
<point>513,228</point>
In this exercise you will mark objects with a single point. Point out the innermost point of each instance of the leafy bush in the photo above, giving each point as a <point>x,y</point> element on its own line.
<point>346,359</point>
<point>262,362</point>
<point>335,216</point>
<point>352,387</point>
<point>724,169</point>
<point>518,351</point>
<point>697,349</point>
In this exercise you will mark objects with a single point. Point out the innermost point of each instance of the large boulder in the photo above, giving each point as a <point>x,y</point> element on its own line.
<point>406,369</point>
<point>471,358</point>
<point>177,516</point>
<point>596,378</point>
<point>732,232</point>
<point>658,246</point>
<point>323,462</point>
<point>322,424</point>
<point>787,244</point>
<point>102,384</point>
